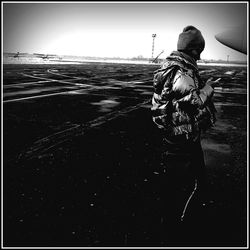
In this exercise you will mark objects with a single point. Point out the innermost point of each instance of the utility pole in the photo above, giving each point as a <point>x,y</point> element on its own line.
<point>153,35</point>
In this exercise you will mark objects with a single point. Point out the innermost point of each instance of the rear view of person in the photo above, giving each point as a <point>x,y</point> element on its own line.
<point>182,107</point>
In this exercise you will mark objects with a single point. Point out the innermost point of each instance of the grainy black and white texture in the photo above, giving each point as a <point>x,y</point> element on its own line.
<point>82,168</point>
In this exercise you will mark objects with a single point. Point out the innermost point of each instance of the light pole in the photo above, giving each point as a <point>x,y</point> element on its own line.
<point>153,35</point>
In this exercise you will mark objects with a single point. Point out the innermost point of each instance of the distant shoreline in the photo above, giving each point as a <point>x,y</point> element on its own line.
<point>124,61</point>
<point>223,64</point>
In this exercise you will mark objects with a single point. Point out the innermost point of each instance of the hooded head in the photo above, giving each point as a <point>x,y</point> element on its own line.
<point>191,39</point>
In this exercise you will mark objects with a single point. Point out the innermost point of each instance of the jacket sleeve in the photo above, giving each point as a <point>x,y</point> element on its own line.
<point>185,88</point>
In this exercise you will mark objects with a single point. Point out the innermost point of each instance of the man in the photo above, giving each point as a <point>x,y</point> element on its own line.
<point>182,107</point>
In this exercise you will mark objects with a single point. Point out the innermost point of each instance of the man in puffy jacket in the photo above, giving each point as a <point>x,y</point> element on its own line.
<point>181,108</point>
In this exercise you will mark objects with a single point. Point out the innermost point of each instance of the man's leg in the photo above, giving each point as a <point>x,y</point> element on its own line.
<point>200,172</point>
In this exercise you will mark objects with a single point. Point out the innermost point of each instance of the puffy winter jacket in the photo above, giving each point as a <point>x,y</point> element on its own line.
<point>181,103</point>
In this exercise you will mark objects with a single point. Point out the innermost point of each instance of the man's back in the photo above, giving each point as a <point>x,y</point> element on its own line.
<point>180,98</point>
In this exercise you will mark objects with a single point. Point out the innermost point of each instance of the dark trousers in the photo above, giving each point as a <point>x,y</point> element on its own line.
<point>182,170</point>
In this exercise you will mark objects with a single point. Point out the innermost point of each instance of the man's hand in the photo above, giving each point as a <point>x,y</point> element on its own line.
<point>212,83</point>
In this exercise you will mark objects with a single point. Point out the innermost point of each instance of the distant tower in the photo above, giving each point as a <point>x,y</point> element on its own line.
<point>153,35</point>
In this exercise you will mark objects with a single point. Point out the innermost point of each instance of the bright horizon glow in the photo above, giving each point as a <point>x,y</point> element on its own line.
<point>113,29</point>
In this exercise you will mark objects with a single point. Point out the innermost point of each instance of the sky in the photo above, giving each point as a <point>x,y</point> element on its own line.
<point>117,29</point>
